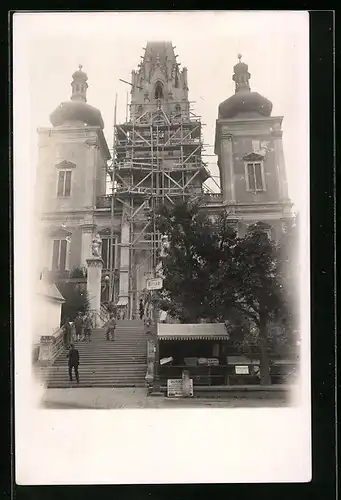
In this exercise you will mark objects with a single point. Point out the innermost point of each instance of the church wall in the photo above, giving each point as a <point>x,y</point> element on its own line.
<point>242,146</point>
<point>76,248</point>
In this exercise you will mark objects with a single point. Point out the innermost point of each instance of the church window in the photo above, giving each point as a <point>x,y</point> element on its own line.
<point>178,109</point>
<point>255,176</point>
<point>77,88</point>
<point>59,252</point>
<point>158,90</point>
<point>64,183</point>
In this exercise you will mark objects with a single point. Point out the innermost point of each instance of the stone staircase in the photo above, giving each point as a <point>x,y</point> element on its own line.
<point>121,363</point>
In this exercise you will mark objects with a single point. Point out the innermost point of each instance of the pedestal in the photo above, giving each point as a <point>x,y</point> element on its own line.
<point>93,286</point>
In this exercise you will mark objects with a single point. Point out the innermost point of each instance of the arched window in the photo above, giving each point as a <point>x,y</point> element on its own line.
<point>178,109</point>
<point>158,90</point>
<point>77,88</point>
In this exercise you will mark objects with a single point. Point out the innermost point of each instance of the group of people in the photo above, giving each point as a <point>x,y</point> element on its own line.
<point>79,330</point>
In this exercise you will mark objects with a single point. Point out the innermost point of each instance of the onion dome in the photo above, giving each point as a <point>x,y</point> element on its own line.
<point>77,110</point>
<point>244,101</point>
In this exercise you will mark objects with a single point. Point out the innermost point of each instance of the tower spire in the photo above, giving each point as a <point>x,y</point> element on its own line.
<point>241,76</point>
<point>79,85</point>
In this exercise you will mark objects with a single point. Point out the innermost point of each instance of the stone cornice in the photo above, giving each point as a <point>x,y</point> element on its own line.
<point>92,143</point>
<point>95,262</point>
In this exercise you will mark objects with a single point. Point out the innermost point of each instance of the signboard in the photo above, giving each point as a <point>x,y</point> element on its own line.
<point>174,388</point>
<point>154,284</point>
<point>242,370</point>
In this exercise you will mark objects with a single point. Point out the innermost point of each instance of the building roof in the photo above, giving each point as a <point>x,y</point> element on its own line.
<point>76,111</point>
<point>244,101</point>
<point>201,331</point>
<point>159,51</point>
<point>49,290</point>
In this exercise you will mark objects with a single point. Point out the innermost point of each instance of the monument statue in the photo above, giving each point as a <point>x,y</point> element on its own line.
<point>97,246</point>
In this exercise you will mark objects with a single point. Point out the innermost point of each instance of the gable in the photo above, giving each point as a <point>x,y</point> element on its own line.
<point>65,164</point>
<point>253,157</point>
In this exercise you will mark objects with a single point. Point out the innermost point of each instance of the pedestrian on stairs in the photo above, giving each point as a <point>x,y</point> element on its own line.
<point>67,332</point>
<point>87,327</point>
<point>111,325</point>
<point>73,362</point>
<point>79,326</point>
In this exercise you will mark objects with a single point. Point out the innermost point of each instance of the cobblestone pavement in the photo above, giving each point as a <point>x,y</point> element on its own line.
<point>105,398</point>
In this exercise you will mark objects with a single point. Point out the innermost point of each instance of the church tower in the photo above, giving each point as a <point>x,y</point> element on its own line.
<point>71,174</point>
<point>249,146</point>
<point>157,160</point>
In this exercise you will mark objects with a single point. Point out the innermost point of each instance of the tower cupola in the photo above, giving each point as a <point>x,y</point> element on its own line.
<point>244,102</point>
<point>79,85</point>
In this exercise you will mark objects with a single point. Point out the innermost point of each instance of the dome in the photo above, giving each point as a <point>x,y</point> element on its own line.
<point>76,111</point>
<point>79,74</point>
<point>245,102</point>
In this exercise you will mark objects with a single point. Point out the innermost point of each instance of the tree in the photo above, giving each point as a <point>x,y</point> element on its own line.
<point>256,287</point>
<point>189,264</point>
<point>76,300</point>
<point>212,273</point>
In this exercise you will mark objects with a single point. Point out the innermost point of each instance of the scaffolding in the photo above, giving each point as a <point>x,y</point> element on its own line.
<point>157,159</point>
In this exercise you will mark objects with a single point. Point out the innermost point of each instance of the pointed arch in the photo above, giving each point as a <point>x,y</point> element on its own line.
<point>158,90</point>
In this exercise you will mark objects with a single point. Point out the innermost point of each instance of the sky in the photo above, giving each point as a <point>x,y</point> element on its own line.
<point>50,46</point>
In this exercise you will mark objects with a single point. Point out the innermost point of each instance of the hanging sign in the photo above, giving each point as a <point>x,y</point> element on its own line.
<point>242,370</point>
<point>154,284</point>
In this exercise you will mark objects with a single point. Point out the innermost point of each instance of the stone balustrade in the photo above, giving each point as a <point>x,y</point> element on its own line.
<point>50,347</point>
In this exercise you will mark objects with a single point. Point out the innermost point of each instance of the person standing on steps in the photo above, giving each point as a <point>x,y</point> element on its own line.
<point>67,332</point>
<point>87,327</point>
<point>111,325</point>
<point>73,362</point>
<point>79,326</point>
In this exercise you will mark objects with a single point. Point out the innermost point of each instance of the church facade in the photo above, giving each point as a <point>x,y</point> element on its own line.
<point>157,159</point>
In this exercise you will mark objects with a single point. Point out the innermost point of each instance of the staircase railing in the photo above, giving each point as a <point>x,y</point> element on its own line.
<point>50,346</point>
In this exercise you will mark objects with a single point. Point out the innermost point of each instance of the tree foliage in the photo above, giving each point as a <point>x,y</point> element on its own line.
<point>76,299</point>
<point>211,273</point>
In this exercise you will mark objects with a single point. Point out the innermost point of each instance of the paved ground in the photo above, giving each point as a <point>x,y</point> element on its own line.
<point>104,398</point>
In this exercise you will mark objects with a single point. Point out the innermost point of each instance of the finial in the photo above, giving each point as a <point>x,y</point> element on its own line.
<point>80,66</point>
<point>239,56</point>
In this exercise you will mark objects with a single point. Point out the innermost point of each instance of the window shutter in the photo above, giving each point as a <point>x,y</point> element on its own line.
<point>258,176</point>
<point>67,183</point>
<point>105,253</point>
<point>55,255</point>
<point>62,264</point>
<point>251,178</point>
<point>61,177</point>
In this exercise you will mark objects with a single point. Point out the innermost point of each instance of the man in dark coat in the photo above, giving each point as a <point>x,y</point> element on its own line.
<point>73,362</point>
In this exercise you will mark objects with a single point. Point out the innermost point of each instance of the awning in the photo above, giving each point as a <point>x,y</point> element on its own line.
<point>201,331</point>
<point>123,301</point>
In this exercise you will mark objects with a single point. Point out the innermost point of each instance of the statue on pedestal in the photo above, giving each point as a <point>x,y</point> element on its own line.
<point>96,246</point>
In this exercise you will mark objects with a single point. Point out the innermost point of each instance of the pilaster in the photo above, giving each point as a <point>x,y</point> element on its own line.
<point>94,277</point>
<point>226,161</point>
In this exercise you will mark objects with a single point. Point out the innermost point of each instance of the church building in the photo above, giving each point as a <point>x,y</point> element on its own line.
<point>157,158</point>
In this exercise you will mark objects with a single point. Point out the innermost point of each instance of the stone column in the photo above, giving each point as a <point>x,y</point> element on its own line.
<point>88,230</point>
<point>93,286</point>
<point>226,161</point>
